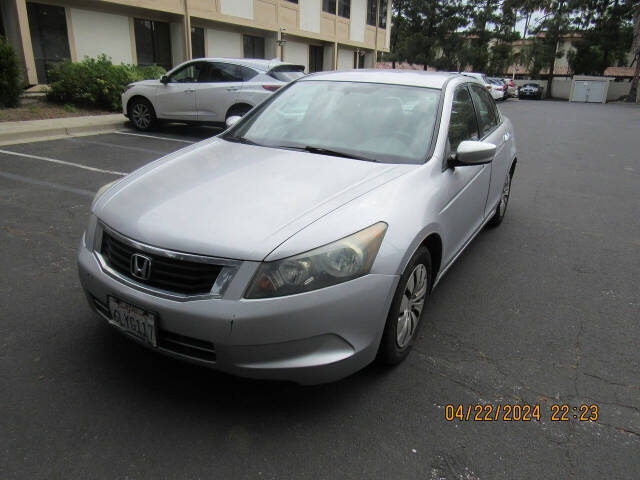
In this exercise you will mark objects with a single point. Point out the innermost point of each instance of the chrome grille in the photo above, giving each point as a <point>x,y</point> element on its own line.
<point>170,274</point>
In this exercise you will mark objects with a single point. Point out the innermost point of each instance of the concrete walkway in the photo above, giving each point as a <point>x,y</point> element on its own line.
<point>49,129</point>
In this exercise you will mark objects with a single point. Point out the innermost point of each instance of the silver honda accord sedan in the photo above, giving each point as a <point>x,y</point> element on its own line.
<point>304,241</point>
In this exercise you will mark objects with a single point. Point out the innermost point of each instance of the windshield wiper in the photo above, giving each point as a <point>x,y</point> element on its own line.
<point>327,151</point>
<point>244,140</point>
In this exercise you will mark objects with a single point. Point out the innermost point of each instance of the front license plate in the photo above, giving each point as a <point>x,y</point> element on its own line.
<point>133,320</point>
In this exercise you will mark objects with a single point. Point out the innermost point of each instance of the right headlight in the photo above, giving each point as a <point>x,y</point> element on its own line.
<point>337,262</point>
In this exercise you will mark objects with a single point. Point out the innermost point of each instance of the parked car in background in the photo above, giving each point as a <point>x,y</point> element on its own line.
<point>497,95</point>
<point>530,90</point>
<point>511,87</point>
<point>500,87</point>
<point>206,90</point>
<point>284,248</point>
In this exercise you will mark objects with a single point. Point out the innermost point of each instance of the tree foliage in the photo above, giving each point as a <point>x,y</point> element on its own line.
<point>10,84</point>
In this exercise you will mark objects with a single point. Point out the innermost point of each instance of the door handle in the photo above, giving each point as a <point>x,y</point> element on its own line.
<point>189,91</point>
<point>232,89</point>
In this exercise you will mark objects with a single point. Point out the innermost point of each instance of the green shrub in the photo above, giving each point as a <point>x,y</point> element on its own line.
<point>10,84</point>
<point>95,81</point>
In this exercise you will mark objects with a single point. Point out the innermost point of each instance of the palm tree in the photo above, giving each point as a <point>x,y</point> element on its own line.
<point>633,91</point>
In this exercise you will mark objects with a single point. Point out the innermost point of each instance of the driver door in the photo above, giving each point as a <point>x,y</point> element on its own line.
<point>466,187</point>
<point>176,100</point>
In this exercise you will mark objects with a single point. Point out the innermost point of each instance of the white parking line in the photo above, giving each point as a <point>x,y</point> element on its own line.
<point>57,186</point>
<point>120,132</point>
<point>62,162</point>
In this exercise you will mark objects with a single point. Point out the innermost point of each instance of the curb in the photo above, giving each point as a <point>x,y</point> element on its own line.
<point>53,128</point>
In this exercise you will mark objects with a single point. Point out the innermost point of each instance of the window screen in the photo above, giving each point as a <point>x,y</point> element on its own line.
<point>197,42</point>
<point>253,46</point>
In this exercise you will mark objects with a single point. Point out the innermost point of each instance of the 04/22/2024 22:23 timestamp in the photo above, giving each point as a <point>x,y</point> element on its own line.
<point>520,413</point>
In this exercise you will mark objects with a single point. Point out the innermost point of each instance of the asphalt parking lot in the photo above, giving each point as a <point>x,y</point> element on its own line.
<point>544,310</point>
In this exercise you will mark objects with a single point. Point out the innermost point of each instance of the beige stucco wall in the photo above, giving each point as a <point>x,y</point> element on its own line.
<point>95,33</point>
<point>223,43</point>
<point>298,53</point>
<point>178,54</point>
<point>237,8</point>
<point>345,59</point>
<point>310,11</point>
<point>358,20</point>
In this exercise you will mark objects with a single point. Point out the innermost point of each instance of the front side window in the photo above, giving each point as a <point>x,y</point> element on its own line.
<point>462,124</point>
<point>188,74</point>
<point>329,6</point>
<point>384,123</point>
<point>344,8</point>
<point>485,109</point>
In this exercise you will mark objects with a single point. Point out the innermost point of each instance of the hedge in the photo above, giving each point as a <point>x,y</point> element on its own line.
<point>95,81</point>
<point>10,83</point>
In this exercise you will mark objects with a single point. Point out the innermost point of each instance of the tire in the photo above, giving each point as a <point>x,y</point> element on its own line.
<point>238,110</point>
<point>142,114</point>
<point>501,209</point>
<point>414,283</point>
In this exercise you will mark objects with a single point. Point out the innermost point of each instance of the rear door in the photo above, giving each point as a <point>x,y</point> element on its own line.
<point>492,130</point>
<point>217,90</point>
<point>176,99</point>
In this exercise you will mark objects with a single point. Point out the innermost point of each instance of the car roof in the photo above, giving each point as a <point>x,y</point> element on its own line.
<point>416,78</point>
<point>258,64</point>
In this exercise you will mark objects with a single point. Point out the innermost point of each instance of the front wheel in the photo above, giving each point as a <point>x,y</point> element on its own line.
<point>406,309</point>
<point>501,210</point>
<point>142,114</point>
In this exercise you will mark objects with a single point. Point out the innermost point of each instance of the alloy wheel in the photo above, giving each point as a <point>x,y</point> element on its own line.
<point>411,305</point>
<point>141,115</point>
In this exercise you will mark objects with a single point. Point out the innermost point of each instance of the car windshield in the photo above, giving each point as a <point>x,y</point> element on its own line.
<point>367,121</point>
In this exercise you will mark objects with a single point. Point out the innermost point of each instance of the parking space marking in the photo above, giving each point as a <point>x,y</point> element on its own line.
<point>120,132</point>
<point>116,145</point>
<point>63,162</point>
<point>57,186</point>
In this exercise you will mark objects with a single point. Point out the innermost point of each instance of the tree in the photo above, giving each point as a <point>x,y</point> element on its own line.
<point>555,22</point>
<point>10,87</point>
<point>606,31</point>
<point>422,27</point>
<point>633,91</point>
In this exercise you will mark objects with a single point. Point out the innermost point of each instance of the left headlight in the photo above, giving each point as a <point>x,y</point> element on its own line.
<point>337,262</point>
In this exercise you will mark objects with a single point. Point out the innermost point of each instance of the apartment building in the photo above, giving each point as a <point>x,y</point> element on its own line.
<point>319,34</point>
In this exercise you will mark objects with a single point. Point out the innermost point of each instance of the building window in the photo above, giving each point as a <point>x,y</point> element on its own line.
<point>344,8</point>
<point>153,42</point>
<point>49,39</point>
<point>316,55</point>
<point>253,46</point>
<point>329,6</point>
<point>293,1</point>
<point>382,21</point>
<point>197,42</point>
<point>372,7</point>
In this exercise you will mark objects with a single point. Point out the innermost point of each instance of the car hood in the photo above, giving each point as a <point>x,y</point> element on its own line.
<point>232,200</point>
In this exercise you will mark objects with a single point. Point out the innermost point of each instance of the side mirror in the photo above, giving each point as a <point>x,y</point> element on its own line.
<point>471,152</point>
<point>164,79</point>
<point>232,120</point>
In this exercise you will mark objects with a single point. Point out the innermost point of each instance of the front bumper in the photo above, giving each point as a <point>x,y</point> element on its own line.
<point>309,338</point>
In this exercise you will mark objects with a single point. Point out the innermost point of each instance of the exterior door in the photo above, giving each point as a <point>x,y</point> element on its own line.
<point>217,90</point>
<point>466,187</point>
<point>48,26</point>
<point>177,98</point>
<point>492,130</point>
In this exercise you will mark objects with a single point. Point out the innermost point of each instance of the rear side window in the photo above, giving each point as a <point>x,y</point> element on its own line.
<point>224,72</point>
<point>287,73</point>
<point>486,110</point>
<point>246,73</point>
<point>463,124</point>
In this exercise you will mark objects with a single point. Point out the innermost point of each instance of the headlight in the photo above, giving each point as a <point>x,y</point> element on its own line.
<point>337,262</point>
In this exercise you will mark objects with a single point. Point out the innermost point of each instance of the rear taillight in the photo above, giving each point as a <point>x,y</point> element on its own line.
<point>271,88</point>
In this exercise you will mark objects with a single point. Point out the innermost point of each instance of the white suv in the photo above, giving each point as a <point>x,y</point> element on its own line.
<point>206,90</point>
<point>495,93</point>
